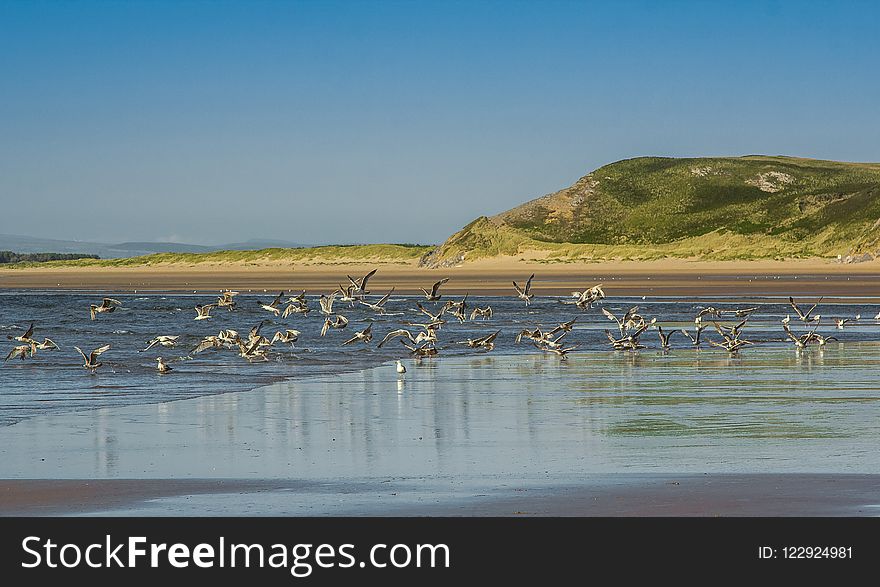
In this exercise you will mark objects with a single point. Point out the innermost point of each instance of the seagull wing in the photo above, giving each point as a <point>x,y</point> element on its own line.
<point>366,278</point>
<point>796,309</point>
<point>437,285</point>
<point>395,334</point>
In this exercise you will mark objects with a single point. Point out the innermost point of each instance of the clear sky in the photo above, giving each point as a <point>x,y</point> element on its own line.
<point>324,122</point>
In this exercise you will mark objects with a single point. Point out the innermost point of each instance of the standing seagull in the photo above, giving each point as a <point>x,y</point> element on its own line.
<point>400,368</point>
<point>433,296</point>
<point>107,305</point>
<point>91,362</point>
<point>162,366</point>
<point>524,292</point>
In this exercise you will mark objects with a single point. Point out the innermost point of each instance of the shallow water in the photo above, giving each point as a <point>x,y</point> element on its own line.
<point>53,382</point>
<point>490,420</point>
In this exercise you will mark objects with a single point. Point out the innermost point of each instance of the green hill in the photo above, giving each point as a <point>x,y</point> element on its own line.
<point>710,208</point>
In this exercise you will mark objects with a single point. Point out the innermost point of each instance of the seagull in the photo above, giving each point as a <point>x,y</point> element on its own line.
<point>562,352</point>
<point>380,305</point>
<point>327,303</point>
<point>622,323</point>
<point>484,313</point>
<point>400,368</point>
<point>365,335</point>
<point>360,286</point>
<point>346,294</point>
<point>630,342</point>
<point>695,340</point>
<point>297,305</point>
<point>664,338</point>
<point>588,297</point>
<point>209,342</point>
<point>273,306</point>
<point>395,334</point>
<point>47,345</point>
<point>740,312</point>
<point>26,337</point>
<point>203,312</point>
<point>91,362</point>
<point>107,305</point>
<point>225,300</point>
<point>433,317</point>
<point>798,341</point>
<point>166,341</point>
<point>340,322</point>
<point>21,352</point>
<point>253,350</point>
<point>427,349</point>
<point>433,296</point>
<point>732,343</point>
<point>287,337</point>
<point>709,311</point>
<point>487,342</point>
<point>564,327</point>
<point>524,292</point>
<point>297,299</point>
<point>459,309</point>
<point>162,366</point>
<point>841,322</point>
<point>534,335</point>
<point>805,317</point>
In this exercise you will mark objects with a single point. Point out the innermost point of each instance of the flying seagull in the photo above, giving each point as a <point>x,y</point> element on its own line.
<point>524,292</point>
<point>433,296</point>
<point>108,305</point>
<point>90,362</point>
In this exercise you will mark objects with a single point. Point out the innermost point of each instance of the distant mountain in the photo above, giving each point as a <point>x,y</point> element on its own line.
<point>27,244</point>
<point>148,247</point>
<point>257,244</point>
<point>754,207</point>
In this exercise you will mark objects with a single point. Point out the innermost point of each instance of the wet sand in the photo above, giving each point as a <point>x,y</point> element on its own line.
<point>671,277</point>
<point>609,495</point>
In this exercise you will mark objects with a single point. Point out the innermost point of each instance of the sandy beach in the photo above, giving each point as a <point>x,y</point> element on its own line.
<point>668,277</point>
<point>610,495</point>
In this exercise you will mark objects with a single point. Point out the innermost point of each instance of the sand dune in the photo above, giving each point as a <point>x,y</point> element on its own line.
<point>490,276</point>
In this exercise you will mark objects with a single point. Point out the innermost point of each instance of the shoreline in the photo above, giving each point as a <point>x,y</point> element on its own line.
<point>668,277</point>
<point>616,495</point>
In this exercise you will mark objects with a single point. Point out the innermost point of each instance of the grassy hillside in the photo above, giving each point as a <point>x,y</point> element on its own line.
<point>712,208</point>
<point>315,255</point>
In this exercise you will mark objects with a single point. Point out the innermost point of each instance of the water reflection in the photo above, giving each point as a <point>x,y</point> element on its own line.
<point>492,416</point>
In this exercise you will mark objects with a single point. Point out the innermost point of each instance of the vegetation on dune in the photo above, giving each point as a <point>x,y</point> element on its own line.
<point>7,257</point>
<point>711,208</point>
<point>325,254</point>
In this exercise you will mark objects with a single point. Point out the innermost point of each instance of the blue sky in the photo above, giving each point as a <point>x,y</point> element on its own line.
<point>323,122</point>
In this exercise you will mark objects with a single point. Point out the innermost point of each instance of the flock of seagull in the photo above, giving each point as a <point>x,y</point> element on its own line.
<point>421,338</point>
